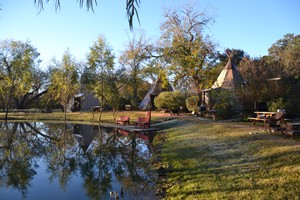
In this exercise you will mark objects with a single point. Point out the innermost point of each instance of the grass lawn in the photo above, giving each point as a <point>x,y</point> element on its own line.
<point>214,160</point>
<point>107,117</point>
<point>211,160</point>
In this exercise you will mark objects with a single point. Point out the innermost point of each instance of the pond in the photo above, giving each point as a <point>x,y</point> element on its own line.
<point>74,161</point>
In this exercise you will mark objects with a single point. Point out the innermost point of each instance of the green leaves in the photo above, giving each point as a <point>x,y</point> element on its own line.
<point>64,80</point>
<point>17,63</point>
<point>287,51</point>
<point>185,46</point>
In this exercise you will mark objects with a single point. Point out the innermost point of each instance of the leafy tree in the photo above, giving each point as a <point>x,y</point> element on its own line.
<point>135,58</point>
<point>39,87</point>
<point>237,55</point>
<point>259,74</point>
<point>186,47</point>
<point>64,80</point>
<point>287,51</point>
<point>100,65</point>
<point>131,7</point>
<point>115,87</point>
<point>17,62</point>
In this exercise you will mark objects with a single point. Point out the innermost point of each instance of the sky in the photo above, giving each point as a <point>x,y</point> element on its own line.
<point>252,26</point>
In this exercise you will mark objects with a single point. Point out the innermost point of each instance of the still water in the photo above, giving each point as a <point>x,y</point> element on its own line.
<point>74,161</point>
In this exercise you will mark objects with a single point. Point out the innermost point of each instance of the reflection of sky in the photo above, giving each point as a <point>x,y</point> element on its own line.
<point>42,187</point>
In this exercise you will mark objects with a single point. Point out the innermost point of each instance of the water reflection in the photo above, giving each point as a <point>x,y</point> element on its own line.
<point>74,161</point>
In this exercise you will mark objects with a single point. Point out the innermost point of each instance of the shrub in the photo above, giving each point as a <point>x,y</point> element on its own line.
<point>192,103</point>
<point>276,104</point>
<point>169,100</point>
<point>225,103</point>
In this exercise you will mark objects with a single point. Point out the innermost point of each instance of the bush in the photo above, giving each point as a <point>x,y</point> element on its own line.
<point>276,104</point>
<point>225,103</point>
<point>169,100</point>
<point>192,103</point>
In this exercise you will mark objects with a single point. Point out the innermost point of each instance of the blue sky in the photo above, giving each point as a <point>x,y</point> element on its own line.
<point>252,26</point>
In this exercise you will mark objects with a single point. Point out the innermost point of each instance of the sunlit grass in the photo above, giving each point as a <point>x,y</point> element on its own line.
<point>106,117</point>
<point>222,161</point>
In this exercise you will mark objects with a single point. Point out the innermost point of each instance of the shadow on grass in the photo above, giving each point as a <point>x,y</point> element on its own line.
<point>212,162</point>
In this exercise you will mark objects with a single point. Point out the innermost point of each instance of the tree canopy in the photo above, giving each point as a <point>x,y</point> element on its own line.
<point>287,51</point>
<point>64,80</point>
<point>18,62</point>
<point>185,46</point>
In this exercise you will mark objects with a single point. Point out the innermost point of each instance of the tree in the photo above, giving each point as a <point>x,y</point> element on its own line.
<point>287,51</point>
<point>115,85</point>
<point>39,87</point>
<point>259,74</point>
<point>186,47</point>
<point>131,7</point>
<point>64,80</point>
<point>17,62</point>
<point>237,55</point>
<point>135,58</point>
<point>100,64</point>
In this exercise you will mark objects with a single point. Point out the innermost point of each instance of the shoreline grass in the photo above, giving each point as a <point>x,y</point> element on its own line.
<point>107,117</point>
<point>223,161</point>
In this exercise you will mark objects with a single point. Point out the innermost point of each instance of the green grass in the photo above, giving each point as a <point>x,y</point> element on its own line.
<point>107,117</point>
<point>223,161</point>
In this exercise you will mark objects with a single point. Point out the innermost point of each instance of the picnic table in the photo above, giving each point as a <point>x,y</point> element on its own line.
<point>261,116</point>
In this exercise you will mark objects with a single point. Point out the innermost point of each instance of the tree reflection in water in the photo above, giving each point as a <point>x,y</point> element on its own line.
<point>101,159</point>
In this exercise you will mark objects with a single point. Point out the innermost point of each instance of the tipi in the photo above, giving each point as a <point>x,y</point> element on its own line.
<point>83,101</point>
<point>229,77</point>
<point>156,88</point>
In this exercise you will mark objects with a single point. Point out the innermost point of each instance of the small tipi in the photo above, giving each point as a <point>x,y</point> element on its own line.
<point>229,77</point>
<point>155,89</point>
<point>83,101</point>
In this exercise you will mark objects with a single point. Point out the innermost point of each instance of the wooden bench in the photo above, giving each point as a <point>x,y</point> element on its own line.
<point>292,133</point>
<point>143,122</point>
<point>123,120</point>
<point>255,119</point>
<point>292,129</point>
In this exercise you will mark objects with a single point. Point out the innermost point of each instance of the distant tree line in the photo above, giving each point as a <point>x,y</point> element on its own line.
<point>184,55</point>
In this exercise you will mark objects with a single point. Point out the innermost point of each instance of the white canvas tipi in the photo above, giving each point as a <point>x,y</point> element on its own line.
<point>156,88</point>
<point>229,78</point>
